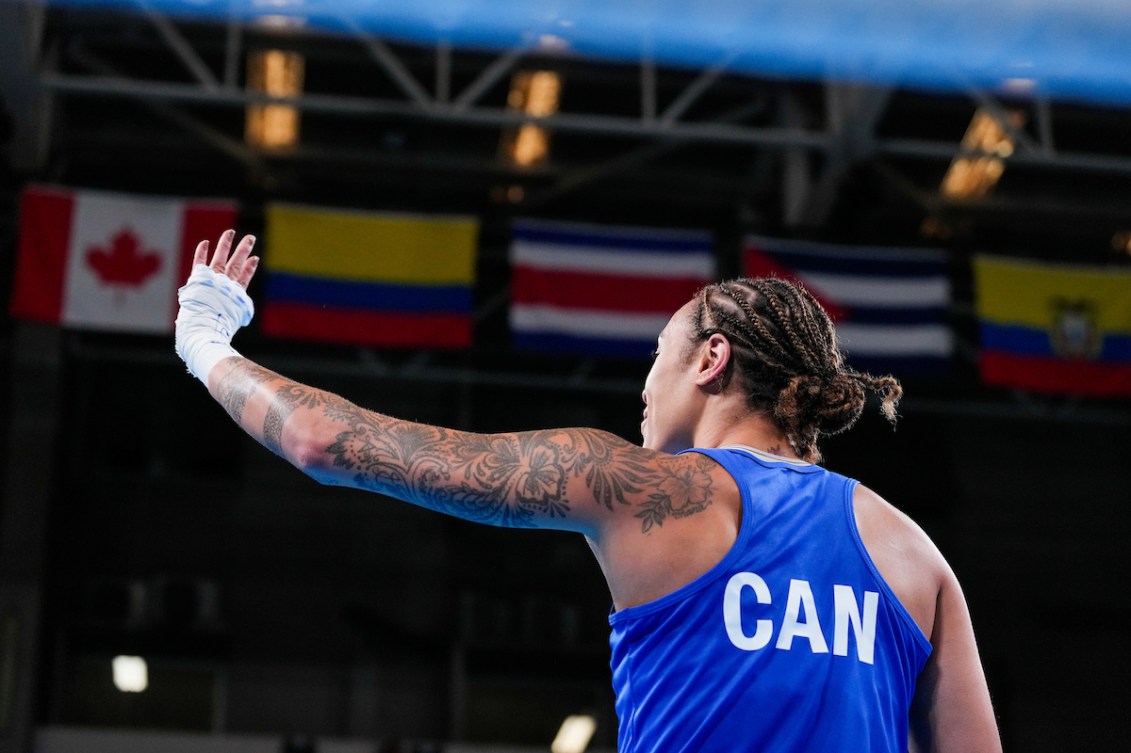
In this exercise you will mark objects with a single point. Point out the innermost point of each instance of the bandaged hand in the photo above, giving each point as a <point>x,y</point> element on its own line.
<point>214,305</point>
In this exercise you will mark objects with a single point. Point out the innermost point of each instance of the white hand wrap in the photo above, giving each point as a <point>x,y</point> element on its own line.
<point>213,307</point>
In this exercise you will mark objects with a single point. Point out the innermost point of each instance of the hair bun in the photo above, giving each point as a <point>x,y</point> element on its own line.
<point>842,403</point>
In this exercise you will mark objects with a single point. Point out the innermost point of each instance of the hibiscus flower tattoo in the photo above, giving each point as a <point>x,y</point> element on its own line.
<point>682,490</point>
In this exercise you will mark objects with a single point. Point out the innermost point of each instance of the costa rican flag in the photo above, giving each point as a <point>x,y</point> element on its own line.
<point>891,306</point>
<point>599,290</point>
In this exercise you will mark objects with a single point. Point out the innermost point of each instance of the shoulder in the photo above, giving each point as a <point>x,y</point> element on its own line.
<point>904,554</point>
<point>875,511</point>
<point>681,522</point>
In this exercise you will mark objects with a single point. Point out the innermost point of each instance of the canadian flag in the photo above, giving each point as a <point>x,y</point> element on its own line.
<point>109,261</point>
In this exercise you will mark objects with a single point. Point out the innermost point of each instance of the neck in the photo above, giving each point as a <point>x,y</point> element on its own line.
<point>723,427</point>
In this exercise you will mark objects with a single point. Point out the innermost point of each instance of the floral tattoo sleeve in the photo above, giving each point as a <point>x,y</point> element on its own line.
<point>523,479</point>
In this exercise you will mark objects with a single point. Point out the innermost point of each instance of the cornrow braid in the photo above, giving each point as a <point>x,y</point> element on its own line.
<point>785,354</point>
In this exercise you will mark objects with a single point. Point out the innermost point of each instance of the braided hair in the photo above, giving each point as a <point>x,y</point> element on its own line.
<point>785,355</point>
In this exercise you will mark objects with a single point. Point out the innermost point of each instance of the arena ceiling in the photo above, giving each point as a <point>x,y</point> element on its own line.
<point>139,98</point>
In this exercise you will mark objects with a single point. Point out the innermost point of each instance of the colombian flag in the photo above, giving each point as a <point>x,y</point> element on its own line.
<point>363,278</point>
<point>1051,328</point>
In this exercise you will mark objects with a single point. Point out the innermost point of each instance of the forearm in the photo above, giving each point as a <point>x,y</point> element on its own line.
<point>263,402</point>
<point>328,437</point>
<point>512,479</point>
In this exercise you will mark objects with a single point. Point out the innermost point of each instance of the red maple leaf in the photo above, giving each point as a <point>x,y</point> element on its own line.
<point>125,263</point>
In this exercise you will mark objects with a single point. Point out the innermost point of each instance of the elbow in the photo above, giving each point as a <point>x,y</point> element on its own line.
<point>306,457</point>
<point>306,451</point>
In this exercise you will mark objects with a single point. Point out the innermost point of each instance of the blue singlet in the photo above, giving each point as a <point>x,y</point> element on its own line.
<point>793,642</point>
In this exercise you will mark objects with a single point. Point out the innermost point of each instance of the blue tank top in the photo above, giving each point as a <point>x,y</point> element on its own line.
<point>793,642</point>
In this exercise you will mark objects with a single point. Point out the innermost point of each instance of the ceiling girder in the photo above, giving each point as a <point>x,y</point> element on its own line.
<point>843,135</point>
<point>857,120</point>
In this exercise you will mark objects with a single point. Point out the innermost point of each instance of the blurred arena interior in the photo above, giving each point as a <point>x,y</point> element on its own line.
<point>277,615</point>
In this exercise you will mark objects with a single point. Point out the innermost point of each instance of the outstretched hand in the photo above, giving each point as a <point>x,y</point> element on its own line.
<point>214,303</point>
<point>239,267</point>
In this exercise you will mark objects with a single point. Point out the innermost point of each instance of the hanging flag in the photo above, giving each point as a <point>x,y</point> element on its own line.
<point>601,290</point>
<point>108,261</point>
<point>890,305</point>
<point>1054,328</point>
<point>364,278</point>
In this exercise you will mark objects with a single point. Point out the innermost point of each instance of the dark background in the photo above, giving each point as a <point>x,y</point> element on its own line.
<point>148,524</point>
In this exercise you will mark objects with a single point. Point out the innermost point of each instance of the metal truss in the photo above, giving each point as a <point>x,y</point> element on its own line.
<point>817,140</point>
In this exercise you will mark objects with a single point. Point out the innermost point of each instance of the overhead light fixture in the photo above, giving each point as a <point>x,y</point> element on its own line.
<point>536,94</point>
<point>575,733</point>
<point>131,674</point>
<point>976,170</point>
<point>973,176</point>
<point>277,73</point>
<point>1121,242</point>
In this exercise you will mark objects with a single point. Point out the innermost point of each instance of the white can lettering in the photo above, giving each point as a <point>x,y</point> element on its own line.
<point>732,612</point>
<point>801,619</point>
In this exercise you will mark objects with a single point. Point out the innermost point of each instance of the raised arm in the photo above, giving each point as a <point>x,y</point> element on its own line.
<point>574,479</point>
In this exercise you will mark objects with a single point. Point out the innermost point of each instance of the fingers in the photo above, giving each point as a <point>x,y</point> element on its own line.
<point>239,257</point>
<point>240,266</point>
<point>248,270</point>
<point>220,257</point>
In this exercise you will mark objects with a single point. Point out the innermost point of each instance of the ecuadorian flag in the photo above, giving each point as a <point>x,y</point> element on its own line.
<point>1051,328</point>
<point>369,279</point>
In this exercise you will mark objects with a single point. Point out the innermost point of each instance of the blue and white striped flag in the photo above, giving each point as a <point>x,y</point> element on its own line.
<point>891,305</point>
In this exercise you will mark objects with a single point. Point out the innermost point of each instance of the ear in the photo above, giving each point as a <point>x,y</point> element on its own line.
<point>714,357</point>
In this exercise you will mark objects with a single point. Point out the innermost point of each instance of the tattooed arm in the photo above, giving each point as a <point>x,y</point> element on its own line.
<point>618,494</point>
<point>574,479</point>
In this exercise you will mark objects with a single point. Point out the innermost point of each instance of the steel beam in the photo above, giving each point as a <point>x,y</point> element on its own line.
<point>181,48</point>
<point>609,125</point>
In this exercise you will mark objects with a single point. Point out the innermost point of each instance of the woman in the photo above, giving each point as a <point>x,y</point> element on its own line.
<point>760,602</point>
